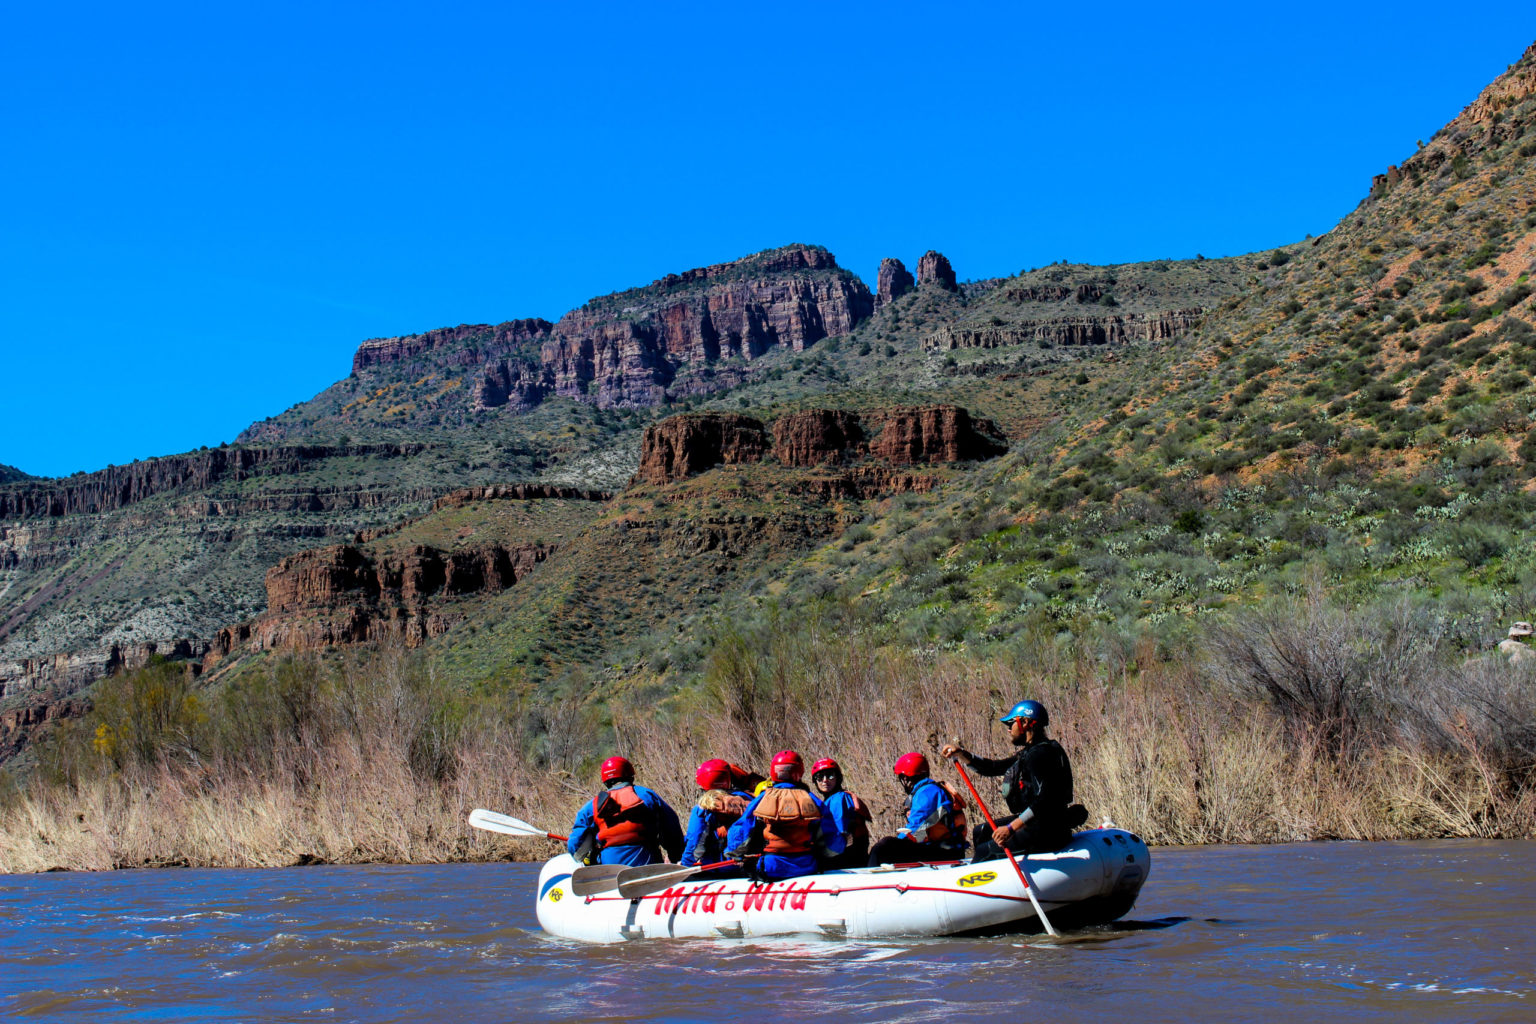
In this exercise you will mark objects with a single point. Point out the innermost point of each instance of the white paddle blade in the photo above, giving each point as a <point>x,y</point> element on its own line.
<point>490,821</point>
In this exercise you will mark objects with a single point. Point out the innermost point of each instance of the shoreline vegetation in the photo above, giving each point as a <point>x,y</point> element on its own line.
<point>1298,720</point>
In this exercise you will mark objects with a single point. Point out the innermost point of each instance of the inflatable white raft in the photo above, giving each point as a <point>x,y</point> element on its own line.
<point>1093,880</point>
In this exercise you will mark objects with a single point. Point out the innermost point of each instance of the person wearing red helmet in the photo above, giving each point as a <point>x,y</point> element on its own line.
<point>935,829</point>
<point>850,814</point>
<point>624,823</point>
<point>719,806</point>
<point>1037,785</point>
<point>786,823</point>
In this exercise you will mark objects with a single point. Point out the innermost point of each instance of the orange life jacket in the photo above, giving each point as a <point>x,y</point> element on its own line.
<point>622,818</point>
<point>953,825</point>
<point>726,805</point>
<point>789,818</point>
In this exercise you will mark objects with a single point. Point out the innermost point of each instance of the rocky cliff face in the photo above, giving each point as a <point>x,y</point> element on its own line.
<point>934,433</point>
<point>23,725</point>
<point>66,673</point>
<point>683,446</point>
<point>893,282</point>
<point>342,595</point>
<point>934,269</point>
<point>465,345</point>
<point>118,486</point>
<point>817,436</point>
<point>628,349</point>
<point>1078,330</point>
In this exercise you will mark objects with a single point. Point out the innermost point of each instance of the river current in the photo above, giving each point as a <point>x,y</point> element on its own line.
<point>1431,931</point>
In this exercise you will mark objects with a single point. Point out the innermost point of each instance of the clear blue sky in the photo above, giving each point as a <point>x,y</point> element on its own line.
<point>207,206</point>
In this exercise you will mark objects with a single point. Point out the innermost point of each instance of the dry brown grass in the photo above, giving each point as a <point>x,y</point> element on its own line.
<point>1159,749</point>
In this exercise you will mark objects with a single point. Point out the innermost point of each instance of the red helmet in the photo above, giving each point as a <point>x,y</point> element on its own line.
<point>826,764</point>
<point>714,774</point>
<point>786,767</point>
<point>912,766</point>
<point>616,768</point>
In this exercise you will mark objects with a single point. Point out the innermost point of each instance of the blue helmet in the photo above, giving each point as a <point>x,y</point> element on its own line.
<point>1031,709</point>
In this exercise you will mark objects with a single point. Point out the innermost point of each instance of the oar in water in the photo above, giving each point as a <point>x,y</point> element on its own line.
<point>1029,890</point>
<point>596,878</point>
<point>490,821</point>
<point>649,878</point>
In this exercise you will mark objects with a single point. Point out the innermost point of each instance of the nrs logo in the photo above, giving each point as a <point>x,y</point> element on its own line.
<point>980,878</point>
<point>554,895</point>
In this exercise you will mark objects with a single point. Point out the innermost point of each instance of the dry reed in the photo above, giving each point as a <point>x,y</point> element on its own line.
<point>1157,748</point>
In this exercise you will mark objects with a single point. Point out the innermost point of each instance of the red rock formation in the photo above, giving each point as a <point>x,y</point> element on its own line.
<point>934,269</point>
<point>626,349</point>
<point>338,595</point>
<point>465,345</point>
<point>893,282</point>
<point>629,357</point>
<point>514,383</point>
<point>682,446</point>
<point>118,486</point>
<point>816,436</point>
<point>935,433</point>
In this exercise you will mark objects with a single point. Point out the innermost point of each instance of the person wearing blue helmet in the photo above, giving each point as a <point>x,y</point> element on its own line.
<point>1037,784</point>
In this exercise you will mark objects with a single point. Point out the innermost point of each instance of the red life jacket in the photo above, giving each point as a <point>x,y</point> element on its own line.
<point>622,818</point>
<point>789,817</point>
<point>953,824</point>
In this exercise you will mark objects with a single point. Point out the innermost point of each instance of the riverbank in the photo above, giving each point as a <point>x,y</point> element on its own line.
<point>357,763</point>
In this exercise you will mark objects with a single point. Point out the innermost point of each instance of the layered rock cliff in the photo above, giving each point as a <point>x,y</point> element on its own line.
<point>465,345</point>
<point>1075,330</point>
<point>629,349</point>
<point>683,446</point>
<point>343,595</point>
<point>118,486</point>
<point>66,673</point>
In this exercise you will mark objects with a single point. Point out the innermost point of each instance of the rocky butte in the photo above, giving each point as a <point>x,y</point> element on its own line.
<point>682,334</point>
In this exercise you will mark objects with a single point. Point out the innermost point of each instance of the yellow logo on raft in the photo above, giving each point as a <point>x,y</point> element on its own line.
<point>980,878</point>
<point>554,895</point>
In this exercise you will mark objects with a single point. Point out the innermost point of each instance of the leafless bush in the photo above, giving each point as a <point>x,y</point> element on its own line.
<point>1336,673</point>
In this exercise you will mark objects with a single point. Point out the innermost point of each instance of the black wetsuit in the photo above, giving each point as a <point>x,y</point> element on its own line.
<point>1038,778</point>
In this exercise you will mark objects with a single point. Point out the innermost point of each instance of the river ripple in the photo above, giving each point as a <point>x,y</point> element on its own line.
<point>1382,931</point>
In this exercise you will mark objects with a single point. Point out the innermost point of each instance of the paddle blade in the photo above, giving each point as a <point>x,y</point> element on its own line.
<point>597,878</point>
<point>643,881</point>
<point>490,821</point>
<point>649,878</point>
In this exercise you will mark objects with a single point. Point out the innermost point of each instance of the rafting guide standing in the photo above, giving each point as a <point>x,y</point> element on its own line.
<point>1037,784</point>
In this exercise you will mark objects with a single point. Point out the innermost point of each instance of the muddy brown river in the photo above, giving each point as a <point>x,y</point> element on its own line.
<point>1425,931</point>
